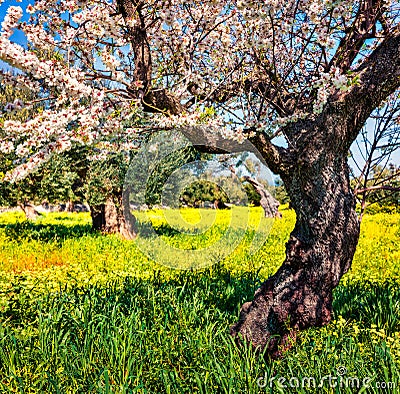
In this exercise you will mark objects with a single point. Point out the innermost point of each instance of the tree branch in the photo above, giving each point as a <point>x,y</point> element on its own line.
<point>379,76</point>
<point>210,140</point>
<point>131,11</point>
<point>375,188</point>
<point>363,28</point>
<point>152,100</point>
<point>278,159</point>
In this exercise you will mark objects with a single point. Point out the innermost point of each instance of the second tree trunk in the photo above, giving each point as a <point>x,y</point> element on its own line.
<point>111,218</point>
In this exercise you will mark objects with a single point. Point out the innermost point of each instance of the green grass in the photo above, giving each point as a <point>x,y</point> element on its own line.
<point>85,313</point>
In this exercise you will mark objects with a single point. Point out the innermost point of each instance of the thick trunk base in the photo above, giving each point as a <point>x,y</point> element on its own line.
<point>289,301</point>
<point>109,218</point>
<point>30,212</point>
<point>298,296</point>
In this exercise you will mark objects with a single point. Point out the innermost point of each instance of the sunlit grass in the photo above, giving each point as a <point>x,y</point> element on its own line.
<point>88,313</point>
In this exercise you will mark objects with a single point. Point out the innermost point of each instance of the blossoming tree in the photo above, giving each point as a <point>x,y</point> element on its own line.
<point>309,71</point>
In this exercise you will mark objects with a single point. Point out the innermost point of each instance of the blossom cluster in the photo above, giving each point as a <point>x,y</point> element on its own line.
<point>239,57</point>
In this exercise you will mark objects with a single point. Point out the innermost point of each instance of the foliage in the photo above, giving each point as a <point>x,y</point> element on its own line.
<point>310,73</point>
<point>252,196</point>
<point>104,178</point>
<point>92,314</point>
<point>280,192</point>
<point>164,169</point>
<point>382,208</point>
<point>201,191</point>
<point>56,180</point>
<point>60,179</point>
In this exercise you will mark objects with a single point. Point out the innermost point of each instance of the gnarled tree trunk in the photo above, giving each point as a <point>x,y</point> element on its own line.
<point>29,210</point>
<point>269,204</point>
<point>318,253</point>
<point>111,218</point>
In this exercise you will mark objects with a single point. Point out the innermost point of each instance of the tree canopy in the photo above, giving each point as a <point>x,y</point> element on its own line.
<point>243,67</point>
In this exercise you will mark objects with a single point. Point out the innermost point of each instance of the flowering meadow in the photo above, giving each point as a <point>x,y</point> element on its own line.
<point>89,313</point>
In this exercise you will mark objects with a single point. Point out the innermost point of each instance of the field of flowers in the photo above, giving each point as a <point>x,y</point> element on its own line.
<point>82,312</point>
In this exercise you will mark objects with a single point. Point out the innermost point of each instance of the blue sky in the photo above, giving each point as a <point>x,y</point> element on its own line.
<point>17,36</point>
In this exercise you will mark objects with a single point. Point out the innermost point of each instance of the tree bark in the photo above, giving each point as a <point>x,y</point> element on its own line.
<point>269,204</point>
<point>318,253</point>
<point>70,206</point>
<point>29,210</point>
<point>110,218</point>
